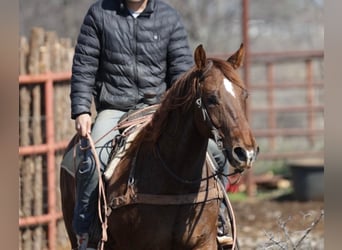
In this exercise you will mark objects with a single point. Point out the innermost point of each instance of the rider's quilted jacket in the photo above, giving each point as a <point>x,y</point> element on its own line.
<point>119,59</point>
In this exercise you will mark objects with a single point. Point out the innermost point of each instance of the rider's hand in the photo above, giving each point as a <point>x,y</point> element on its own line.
<point>83,124</point>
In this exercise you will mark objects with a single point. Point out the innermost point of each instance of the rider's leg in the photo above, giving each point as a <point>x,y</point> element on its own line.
<point>221,161</point>
<point>222,167</point>
<point>87,175</point>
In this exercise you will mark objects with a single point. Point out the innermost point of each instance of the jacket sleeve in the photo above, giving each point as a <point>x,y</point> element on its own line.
<point>85,64</point>
<point>179,56</point>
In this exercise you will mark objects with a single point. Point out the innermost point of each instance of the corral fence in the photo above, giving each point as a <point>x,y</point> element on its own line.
<point>45,125</point>
<point>285,105</point>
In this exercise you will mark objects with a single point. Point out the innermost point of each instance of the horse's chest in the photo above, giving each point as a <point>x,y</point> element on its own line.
<point>183,227</point>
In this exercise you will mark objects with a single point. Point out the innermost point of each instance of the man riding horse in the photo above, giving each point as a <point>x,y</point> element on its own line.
<point>128,53</point>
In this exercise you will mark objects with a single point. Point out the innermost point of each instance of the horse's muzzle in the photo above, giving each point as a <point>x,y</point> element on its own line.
<point>245,157</point>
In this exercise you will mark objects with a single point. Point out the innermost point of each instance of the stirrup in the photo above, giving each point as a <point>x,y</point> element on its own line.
<point>224,240</point>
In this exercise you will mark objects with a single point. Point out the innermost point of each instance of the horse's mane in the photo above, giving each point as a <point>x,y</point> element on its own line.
<point>180,96</point>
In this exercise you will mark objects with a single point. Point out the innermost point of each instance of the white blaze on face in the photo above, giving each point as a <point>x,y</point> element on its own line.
<point>229,86</point>
<point>250,156</point>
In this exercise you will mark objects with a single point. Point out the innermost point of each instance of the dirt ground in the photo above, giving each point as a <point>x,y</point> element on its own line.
<point>279,224</point>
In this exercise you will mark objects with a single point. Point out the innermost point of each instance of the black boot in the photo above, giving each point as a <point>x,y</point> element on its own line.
<point>86,193</point>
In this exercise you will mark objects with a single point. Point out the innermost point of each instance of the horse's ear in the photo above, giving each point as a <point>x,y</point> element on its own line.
<point>236,60</point>
<point>200,57</point>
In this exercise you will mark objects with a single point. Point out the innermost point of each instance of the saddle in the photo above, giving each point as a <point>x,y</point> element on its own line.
<point>129,126</point>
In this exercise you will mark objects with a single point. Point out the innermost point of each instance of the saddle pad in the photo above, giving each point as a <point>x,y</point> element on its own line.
<point>121,152</point>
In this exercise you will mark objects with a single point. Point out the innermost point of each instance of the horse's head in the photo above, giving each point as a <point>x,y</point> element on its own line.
<point>222,106</point>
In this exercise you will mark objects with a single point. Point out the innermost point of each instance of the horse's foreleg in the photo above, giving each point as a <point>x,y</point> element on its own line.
<point>67,187</point>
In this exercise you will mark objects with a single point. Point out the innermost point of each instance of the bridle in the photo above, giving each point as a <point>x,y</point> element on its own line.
<point>206,117</point>
<point>204,109</point>
<point>214,130</point>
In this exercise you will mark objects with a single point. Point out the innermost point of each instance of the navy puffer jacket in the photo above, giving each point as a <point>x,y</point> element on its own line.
<point>120,59</point>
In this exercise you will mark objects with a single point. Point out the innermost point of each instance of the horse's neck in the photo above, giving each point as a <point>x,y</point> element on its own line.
<point>181,143</point>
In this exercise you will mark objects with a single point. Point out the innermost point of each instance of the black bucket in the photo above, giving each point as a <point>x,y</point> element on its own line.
<point>307,179</point>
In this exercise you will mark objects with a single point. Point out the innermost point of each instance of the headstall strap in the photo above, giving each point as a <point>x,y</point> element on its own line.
<point>206,69</point>
<point>206,117</point>
<point>201,105</point>
<point>199,102</point>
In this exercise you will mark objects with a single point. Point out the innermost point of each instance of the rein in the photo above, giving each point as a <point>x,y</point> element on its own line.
<point>131,196</point>
<point>102,195</point>
<point>185,181</point>
<point>101,189</point>
<point>175,176</point>
<point>229,205</point>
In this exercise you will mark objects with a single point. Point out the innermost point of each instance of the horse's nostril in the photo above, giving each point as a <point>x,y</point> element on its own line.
<point>240,153</point>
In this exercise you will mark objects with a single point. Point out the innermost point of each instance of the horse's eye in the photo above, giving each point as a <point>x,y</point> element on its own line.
<point>212,100</point>
<point>245,94</point>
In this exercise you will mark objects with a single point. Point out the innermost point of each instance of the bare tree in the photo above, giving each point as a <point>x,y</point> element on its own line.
<point>288,241</point>
<point>287,25</point>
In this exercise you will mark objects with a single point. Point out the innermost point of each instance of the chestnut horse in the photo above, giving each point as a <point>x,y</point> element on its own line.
<point>162,194</point>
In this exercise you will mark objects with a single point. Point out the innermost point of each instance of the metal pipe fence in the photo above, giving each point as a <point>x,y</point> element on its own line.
<point>309,81</point>
<point>48,148</point>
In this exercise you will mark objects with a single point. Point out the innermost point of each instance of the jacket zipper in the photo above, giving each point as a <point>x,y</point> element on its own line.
<point>135,52</point>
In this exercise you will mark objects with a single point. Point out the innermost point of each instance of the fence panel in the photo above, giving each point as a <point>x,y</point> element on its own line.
<point>40,147</point>
<point>287,104</point>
